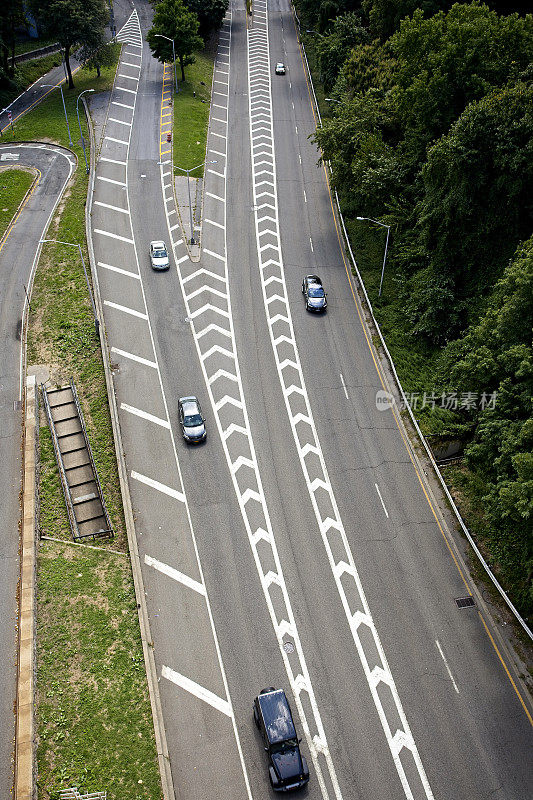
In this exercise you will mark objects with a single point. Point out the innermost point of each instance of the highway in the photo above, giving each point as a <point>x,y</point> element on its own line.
<point>299,546</point>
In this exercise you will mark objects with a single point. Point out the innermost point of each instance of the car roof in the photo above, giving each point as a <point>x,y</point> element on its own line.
<point>158,245</point>
<point>191,399</point>
<point>313,279</point>
<point>277,716</point>
<point>280,64</point>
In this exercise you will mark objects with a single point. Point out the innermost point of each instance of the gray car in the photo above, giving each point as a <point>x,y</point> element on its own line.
<point>158,255</point>
<point>191,420</point>
<point>314,294</point>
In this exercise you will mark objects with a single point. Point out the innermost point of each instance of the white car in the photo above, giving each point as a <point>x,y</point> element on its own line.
<point>159,256</point>
<point>280,68</point>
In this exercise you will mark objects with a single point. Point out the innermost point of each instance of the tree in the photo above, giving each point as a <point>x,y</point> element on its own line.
<point>210,14</point>
<point>477,202</point>
<point>73,22</point>
<point>11,17</point>
<point>333,48</point>
<point>173,19</point>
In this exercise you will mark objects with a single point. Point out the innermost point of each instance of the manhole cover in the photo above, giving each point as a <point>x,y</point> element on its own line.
<point>288,647</point>
<point>465,602</point>
<point>17,405</point>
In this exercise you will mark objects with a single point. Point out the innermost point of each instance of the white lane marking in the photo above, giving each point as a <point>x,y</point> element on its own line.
<point>344,386</point>
<point>446,665</point>
<point>122,105</point>
<point>109,180</point>
<point>198,691</point>
<point>305,197</point>
<point>145,415</point>
<point>183,258</point>
<point>123,89</point>
<point>218,135</point>
<point>217,152</point>
<point>120,121</point>
<point>119,270</point>
<point>125,309</point>
<point>113,235</point>
<point>296,129</point>
<point>190,583</point>
<point>160,487</point>
<point>113,208</point>
<point>382,503</point>
<point>127,64</point>
<point>215,196</point>
<point>215,255</point>
<point>117,141</point>
<point>113,161</point>
<point>311,243</point>
<point>133,357</point>
<point>401,742</point>
<point>130,77</point>
<point>212,222</point>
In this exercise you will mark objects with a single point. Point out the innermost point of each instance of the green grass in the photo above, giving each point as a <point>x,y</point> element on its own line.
<point>14,183</point>
<point>93,717</point>
<point>191,116</point>
<point>95,726</point>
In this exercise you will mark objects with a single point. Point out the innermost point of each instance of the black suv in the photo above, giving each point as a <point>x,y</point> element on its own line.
<point>287,766</point>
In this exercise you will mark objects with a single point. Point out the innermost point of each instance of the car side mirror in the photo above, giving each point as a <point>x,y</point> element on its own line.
<point>266,748</point>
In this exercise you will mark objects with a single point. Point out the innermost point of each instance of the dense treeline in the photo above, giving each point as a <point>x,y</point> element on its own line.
<point>432,133</point>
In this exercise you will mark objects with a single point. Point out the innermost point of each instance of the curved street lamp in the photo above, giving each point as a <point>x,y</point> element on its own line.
<point>188,171</point>
<point>383,225</point>
<point>81,134</point>
<point>162,36</point>
<point>58,86</point>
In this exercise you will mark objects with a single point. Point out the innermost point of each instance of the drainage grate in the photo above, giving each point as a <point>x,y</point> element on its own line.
<point>17,405</point>
<point>465,602</point>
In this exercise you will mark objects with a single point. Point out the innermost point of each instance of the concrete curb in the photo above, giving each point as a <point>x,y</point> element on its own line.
<point>146,638</point>
<point>24,737</point>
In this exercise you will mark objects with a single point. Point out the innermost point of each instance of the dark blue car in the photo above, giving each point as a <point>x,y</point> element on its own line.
<point>287,766</point>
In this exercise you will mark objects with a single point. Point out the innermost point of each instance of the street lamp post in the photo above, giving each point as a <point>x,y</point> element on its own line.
<point>52,86</point>
<point>383,225</point>
<point>81,134</point>
<point>161,36</point>
<point>71,244</point>
<point>188,171</point>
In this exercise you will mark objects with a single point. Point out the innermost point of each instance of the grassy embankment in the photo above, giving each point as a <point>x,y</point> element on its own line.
<point>191,115</point>
<point>26,74</point>
<point>93,715</point>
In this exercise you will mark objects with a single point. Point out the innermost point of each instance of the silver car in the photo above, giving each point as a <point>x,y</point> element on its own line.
<point>191,420</point>
<point>159,256</point>
<point>280,68</point>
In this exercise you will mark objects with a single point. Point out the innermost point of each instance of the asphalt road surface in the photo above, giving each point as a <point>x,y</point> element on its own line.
<point>298,547</point>
<point>52,167</point>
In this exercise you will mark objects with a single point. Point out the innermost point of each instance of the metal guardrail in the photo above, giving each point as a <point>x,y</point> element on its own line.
<point>421,436</point>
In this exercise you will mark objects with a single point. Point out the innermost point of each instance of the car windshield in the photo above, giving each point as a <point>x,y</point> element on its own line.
<point>316,291</point>
<point>288,744</point>
<point>160,253</point>
<point>193,420</point>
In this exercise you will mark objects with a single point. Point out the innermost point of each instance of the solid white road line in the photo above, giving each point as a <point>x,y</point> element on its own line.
<point>113,236</point>
<point>175,575</point>
<point>122,105</point>
<point>198,691</point>
<point>125,309</point>
<point>344,386</point>
<point>119,270</point>
<point>160,487</point>
<point>113,208</point>
<point>109,180</point>
<point>446,665</point>
<point>117,141</point>
<point>113,161</point>
<point>145,415</point>
<point>133,357</point>
<point>382,503</point>
<point>120,121</point>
